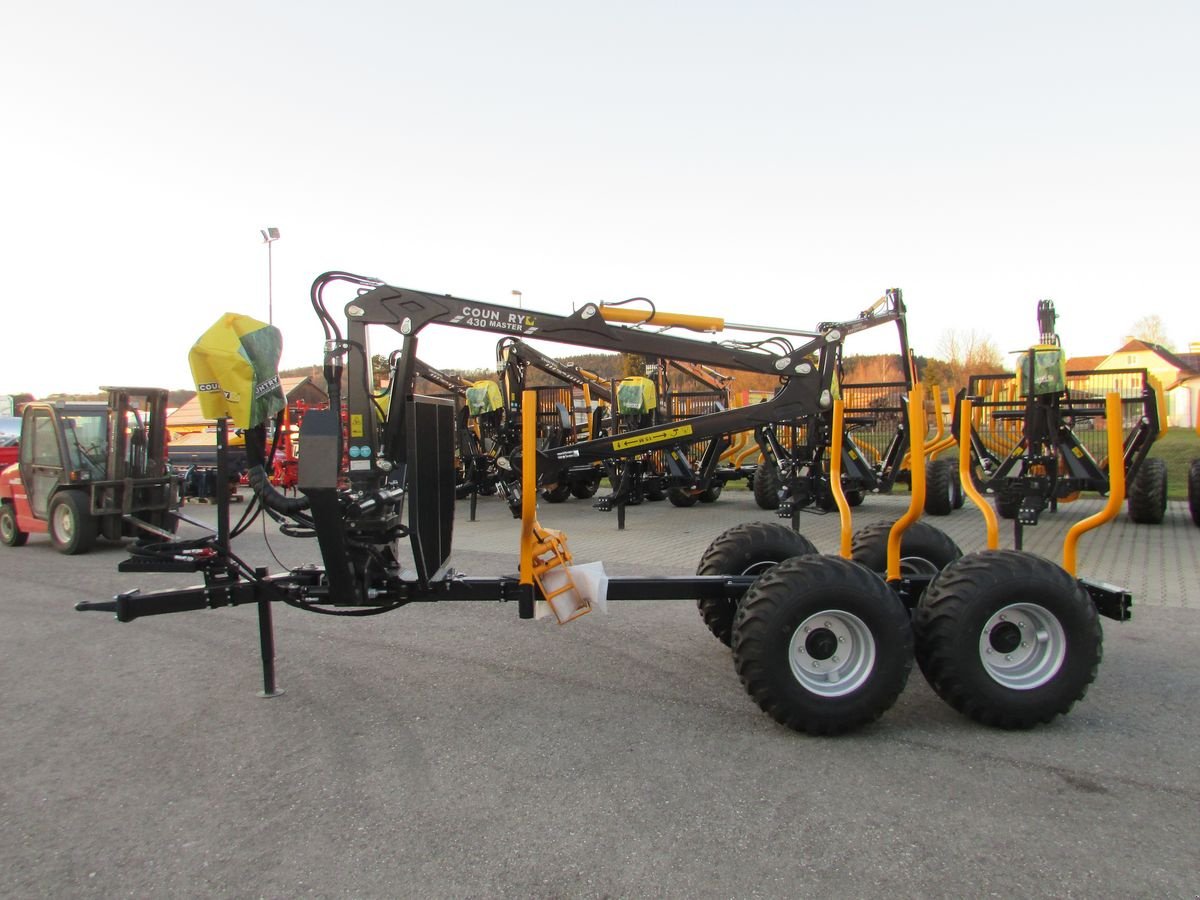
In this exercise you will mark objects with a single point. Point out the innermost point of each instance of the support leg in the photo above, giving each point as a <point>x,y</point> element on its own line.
<point>266,637</point>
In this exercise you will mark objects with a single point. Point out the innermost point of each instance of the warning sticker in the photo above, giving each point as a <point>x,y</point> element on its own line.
<point>654,437</point>
<point>356,426</point>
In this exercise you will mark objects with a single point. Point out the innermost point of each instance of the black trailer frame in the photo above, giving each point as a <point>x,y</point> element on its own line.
<point>356,516</point>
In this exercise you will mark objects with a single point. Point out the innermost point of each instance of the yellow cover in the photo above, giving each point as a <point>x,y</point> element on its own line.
<point>484,397</point>
<point>636,395</point>
<point>235,365</point>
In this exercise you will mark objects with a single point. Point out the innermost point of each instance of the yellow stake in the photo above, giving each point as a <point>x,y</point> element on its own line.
<point>835,476</point>
<point>1116,484</point>
<point>968,486</point>
<point>916,419</point>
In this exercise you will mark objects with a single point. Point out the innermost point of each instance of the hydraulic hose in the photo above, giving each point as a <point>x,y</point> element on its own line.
<point>260,481</point>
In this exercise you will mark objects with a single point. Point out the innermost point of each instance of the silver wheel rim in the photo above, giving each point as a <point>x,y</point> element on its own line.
<point>917,565</point>
<point>759,568</point>
<point>1022,646</point>
<point>64,524</point>
<point>832,653</point>
<point>8,526</point>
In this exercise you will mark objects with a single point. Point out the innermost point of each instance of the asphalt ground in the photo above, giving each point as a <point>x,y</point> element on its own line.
<point>453,750</point>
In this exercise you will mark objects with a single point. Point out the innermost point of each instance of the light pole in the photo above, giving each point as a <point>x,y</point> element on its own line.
<point>270,236</point>
<point>520,299</point>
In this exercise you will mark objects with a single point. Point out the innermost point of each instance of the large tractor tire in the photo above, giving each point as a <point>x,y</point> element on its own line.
<point>767,483</point>
<point>924,550</point>
<point>556,493</point>
<point>72,528</point>
<point>943,491</point>
<point>1007,638</point>
<point>585,489</point>
<point>1194,490</point>
<point>1148,492</point>
<point>822,645</point>
<point>682,497</point>
<point>751,548</point>
<point>826,502</point>
<point>10,534</point>
<point>1008,503</point>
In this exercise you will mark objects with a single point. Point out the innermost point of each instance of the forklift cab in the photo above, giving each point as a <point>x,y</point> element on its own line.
<point>61,444</point>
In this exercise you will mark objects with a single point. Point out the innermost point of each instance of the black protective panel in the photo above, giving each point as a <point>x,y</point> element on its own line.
<point>430,429</point>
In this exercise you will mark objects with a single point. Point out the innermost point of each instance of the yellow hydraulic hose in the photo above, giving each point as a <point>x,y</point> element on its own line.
<point>1116,484</point>
<point>968,484</point>
<point>916,401</point>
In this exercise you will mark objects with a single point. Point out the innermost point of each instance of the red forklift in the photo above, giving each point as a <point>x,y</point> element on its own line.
<point>88,470</point>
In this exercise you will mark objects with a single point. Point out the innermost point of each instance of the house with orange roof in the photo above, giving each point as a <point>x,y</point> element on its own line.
<point>1179,374</point>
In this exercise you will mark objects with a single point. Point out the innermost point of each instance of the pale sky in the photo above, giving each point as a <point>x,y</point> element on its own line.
<point>781,163</point>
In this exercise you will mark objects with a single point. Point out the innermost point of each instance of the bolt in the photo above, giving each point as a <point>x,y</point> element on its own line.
<point>835,659</point>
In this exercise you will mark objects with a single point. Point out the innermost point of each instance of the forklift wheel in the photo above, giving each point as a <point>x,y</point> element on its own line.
<point>10,534</point>
<point>747,549</point>
<point>1194,490</point>
<point>72,528</point>
<point>822,645</point>
<point>1148,492</point>
<point>1007,638</point>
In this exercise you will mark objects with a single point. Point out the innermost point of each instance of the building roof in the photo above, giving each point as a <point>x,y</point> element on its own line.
<point>1084,363</point>
<point>1187,363</point>
<point>189,413</point>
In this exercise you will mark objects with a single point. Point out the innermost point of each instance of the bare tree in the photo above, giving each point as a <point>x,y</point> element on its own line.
<point>973,351</point>
<point>1151,329</point>
<point>961,355</point>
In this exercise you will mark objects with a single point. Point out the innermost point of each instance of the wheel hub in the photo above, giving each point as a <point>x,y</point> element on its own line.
<point>1022,646</point>
<point>821,644</point>
<point>63,523</point>
<point>832,653</point>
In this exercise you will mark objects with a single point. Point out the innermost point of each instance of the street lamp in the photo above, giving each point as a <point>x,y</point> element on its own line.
<point>270,236</point>
<point>519,296</point>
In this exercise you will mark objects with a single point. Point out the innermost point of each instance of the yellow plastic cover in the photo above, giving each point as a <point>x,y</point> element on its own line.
<point>1049,374</point>
<point>636,395</point>
<point>484,397</point>
<point>235,366</point>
